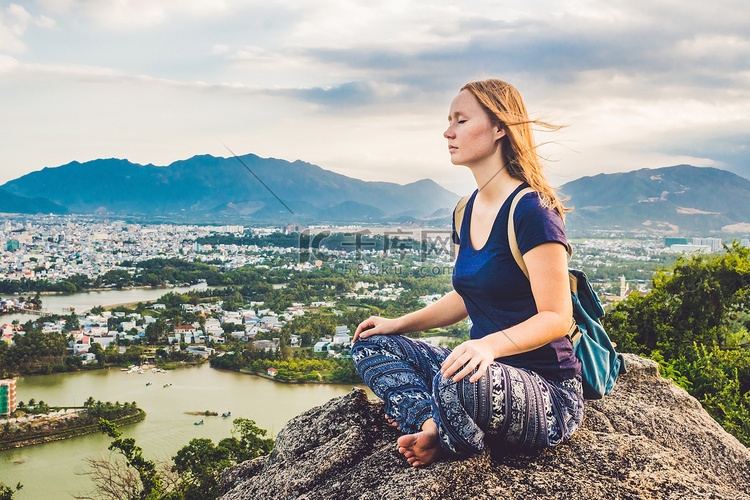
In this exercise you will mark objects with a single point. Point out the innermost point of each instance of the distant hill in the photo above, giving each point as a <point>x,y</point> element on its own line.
<point>206,188</point>
<point>11,203</point>
<point>684,197</point>
<point>214,187</point>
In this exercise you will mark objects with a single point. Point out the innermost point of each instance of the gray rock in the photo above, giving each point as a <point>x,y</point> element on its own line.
<point>648,439</point>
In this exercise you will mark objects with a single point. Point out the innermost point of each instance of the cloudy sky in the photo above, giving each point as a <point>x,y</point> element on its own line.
<point>363,87</point>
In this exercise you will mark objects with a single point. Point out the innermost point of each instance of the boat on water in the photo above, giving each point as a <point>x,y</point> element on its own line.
<point>198,423</point>
<point>227,414</point>
<point>167,385</point>
<point>148,384</point>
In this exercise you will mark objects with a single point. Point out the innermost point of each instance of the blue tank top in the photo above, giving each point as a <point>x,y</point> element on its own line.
<point>495,290</point>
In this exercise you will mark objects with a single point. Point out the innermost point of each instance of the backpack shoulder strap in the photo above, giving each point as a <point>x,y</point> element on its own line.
<point>458,213</point>
<point>512,231</point>
<point>574,332</point>
<point>512,236</point>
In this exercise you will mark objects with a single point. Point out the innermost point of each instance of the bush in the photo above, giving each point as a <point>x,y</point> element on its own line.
<point>694,323</point>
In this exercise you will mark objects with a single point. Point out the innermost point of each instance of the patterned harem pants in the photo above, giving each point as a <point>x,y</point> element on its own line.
<point>508,409</point>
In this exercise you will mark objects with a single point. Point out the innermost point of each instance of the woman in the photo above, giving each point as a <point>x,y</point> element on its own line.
<point>516,384</point>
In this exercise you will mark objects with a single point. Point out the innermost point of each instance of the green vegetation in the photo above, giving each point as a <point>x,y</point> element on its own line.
<point>302,366</point>
<point>35,352</point>
<point>7,493</point>
<point>150,481</point>
<point>695,323</point>
<point>62,427</point>
<point>200,463</point>
<point>197,465</point>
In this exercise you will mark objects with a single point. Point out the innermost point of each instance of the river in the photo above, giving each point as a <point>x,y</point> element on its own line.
<point>83,301</point>
<point>52,470</point>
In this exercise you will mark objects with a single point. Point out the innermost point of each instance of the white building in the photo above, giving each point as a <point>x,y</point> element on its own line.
<point>321,346</point>
<point>342,338</point>
<point>104,341</point>
<point>88,357</point>
<point>714,244</point>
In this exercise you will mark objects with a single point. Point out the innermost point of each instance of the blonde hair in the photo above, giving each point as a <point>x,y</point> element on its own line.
<point>505,108</point>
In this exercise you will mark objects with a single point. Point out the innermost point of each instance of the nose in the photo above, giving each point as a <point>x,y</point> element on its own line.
<point>449,134</point>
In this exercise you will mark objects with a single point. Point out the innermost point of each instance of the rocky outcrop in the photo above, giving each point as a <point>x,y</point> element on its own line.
<point>649,439</point>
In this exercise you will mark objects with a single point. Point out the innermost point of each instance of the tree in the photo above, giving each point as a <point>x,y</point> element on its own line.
<point>696,301</point>
<point>96,350</point>
<point>7,493</point>
<point>200,463</point>
<point>251,442</point>
<point>150,485</point>
<point>695,324</point>
<point>156,331</point>
<point>71,322</point>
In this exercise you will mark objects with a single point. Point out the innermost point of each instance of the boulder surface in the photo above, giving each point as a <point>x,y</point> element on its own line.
<point>648,439</point>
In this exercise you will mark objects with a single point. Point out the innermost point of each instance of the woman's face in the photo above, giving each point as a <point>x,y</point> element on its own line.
<point>472,138</point>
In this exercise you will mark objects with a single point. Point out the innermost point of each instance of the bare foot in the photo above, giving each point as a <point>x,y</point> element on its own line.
<point>423,447</point>
<point>392,422</point>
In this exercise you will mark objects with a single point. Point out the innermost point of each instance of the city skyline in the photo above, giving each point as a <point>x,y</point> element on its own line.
<point>364,90</point>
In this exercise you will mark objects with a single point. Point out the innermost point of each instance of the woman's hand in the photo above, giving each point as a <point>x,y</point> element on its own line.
<point>375,325</point>
<point>471,354</point>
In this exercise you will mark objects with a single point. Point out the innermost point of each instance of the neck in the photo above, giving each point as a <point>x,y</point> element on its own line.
<point>494,183</point>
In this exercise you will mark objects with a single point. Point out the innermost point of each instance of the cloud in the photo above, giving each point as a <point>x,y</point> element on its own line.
<point>135,13</point>
<point>641,83</point>
<point>14,21</point>
<point>7,64</point>
<point>348,94</point>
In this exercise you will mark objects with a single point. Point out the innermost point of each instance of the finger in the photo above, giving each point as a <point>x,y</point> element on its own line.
<point>466,370</point>
<point>456,365</point>
<point>451,360</point>
<point>362,326</point>
<point>454,354</point>
<point>357,332</point>
<point>480,371</point>
<point>368,332</point>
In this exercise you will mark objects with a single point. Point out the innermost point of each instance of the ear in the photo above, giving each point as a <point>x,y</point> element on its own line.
<point>499,133</point>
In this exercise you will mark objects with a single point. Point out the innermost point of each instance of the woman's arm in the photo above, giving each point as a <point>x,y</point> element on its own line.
<point>448,310</point>
<point>548,273</point>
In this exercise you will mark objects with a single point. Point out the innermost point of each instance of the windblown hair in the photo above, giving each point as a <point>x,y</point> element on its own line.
<point>505,108</point>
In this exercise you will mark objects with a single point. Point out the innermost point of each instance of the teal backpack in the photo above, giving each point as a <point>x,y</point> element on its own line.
<point>600,363</point>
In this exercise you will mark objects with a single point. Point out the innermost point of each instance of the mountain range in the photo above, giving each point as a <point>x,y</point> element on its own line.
<point>669,199</point>
<point>266,190</point>
<point>209,187</point>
